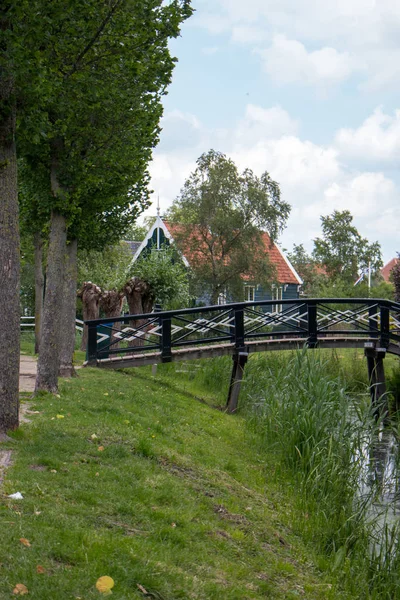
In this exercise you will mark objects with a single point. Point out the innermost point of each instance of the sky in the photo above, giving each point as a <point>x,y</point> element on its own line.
<point>304,89</point>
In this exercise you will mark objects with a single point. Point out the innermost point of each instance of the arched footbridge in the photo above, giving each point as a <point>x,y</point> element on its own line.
<point>243,328</point>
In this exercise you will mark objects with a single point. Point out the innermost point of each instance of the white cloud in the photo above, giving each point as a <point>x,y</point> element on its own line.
<point>314,179</point>
<point>210,50</point>
<point>359,194</point>
<point>288,61</point>
<point>377,139</point>
<point>260,123</point>
<point>245,34</point>
<point>348,35</point>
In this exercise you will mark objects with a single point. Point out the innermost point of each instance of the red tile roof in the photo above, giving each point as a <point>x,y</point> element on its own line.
<point>285,273</point>
<point>385,271</point>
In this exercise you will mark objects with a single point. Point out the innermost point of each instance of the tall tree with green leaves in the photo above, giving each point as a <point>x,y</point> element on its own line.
<point>107,67</point>
<point>395,277</point>
<point>343,251</point>
<point>222,213</point>
<point>312,273</point>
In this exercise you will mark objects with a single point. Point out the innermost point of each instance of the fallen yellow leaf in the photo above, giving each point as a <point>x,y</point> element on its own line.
<point>104,584</point>
<point>25,542</point>
<point>106,394</point>
<point>60,416</point>
<point>20,589</point>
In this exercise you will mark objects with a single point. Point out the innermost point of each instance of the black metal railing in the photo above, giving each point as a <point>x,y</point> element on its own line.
<point>305,320</point>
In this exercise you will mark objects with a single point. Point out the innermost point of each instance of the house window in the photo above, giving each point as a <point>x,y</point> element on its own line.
<point>277,294</point>
<point>249,293</point>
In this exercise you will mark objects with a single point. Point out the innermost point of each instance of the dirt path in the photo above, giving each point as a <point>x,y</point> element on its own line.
<point>27,373</point>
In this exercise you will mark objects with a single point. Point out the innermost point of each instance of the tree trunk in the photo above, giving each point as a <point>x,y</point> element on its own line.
<point>134,290</point>
<point>111,305</point>
<point>39,286</point>
<point>68,312</point>
<point>148,299</point>
<point>90,294</point>
<point>49,349</point>
<point>9,253</point>
<point>138,296</point>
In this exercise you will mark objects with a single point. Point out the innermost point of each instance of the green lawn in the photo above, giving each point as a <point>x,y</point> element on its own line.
<point>126,476</point>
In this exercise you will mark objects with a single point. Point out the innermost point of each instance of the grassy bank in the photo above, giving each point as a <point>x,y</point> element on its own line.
<point>311,412</point>
<point>124,476</point>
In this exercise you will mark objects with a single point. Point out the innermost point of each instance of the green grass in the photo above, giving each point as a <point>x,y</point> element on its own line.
<point>28,346</point>
<point>153,488</point>
<point>311,411</point>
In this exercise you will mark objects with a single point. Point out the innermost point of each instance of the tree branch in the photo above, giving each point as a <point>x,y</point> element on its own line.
<point>96,36</point>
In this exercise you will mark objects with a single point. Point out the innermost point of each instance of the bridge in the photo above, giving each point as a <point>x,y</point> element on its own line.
<point>243,328</point>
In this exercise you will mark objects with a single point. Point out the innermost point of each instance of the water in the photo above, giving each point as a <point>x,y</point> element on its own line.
<point>380,472</point>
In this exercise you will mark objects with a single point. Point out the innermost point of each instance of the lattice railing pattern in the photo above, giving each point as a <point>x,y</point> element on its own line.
<point>306,320</point>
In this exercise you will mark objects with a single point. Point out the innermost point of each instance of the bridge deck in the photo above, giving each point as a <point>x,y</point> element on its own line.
<point>197,352</point>
<point>242,328</point>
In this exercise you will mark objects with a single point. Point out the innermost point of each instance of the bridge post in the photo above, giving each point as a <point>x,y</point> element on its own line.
<point>373,321</point>
<point>377,381</point>
<point>312,340</point>
<point>239,329</point>
<point>385,327</point>
<point>166,340</point>
<point>92,345</point>
<point>239,362</point>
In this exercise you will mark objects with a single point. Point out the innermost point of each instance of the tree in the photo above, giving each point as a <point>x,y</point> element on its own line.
<point>90,294</point>
<point>166,277</point>
<point>342,251</point>
<point>9,236</point>
<point>395,277</point>
<point>107,66</point>
<point>221,214</point>
<point>108,268</point>
<point>311,272</point>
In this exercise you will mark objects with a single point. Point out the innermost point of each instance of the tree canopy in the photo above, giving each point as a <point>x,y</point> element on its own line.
<point>343,251</point>
<point>166,276</point>
<point>222,214</point>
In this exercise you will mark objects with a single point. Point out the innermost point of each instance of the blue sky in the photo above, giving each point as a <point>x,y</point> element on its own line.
<point>306,90</point>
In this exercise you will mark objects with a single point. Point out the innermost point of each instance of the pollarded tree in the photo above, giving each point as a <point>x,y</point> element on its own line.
<point>342,251</point>
<point>223,213</point>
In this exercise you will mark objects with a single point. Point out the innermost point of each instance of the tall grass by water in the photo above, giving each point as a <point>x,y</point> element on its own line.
<point>312,413</point>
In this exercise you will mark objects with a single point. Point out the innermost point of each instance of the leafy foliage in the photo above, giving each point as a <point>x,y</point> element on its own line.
<point>342,250</point>
<point>395,277</point>
<point>313,275</point>
<point>166,275</point>
<point>221,214</point>
<point>90,114</point>
<point>107,268</point>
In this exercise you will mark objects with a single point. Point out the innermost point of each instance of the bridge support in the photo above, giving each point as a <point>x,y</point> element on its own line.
<point>377,381</point>
<point>239,363</point>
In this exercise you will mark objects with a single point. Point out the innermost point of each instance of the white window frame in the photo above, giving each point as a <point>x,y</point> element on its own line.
<point>277,294</point>
<point>249,293</point>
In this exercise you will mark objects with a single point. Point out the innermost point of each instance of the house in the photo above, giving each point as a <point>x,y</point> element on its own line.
<point>286,284</point>
<point>387,269</point>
